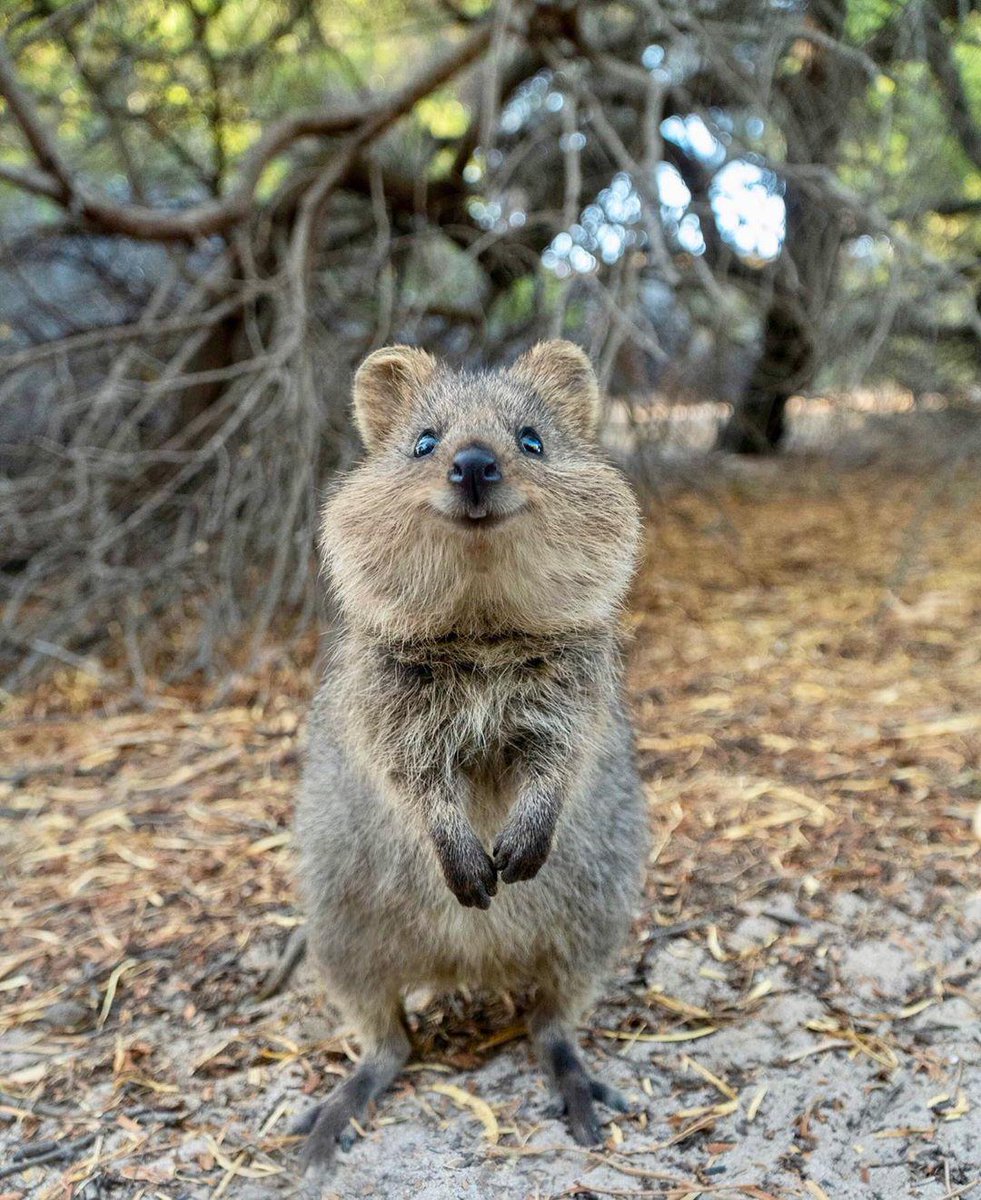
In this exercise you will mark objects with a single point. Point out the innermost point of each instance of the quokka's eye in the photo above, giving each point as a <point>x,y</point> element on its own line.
<point>530,442</point>
<point>426,443</point>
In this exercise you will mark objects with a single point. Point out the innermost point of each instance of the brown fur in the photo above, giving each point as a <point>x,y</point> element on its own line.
<point>470,730</point>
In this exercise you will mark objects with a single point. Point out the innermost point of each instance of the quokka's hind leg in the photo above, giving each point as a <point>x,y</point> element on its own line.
<point>385,1050</point>
<point>552,1034</point>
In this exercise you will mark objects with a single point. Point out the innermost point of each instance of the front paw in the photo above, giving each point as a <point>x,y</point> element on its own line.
<point>470,874</point>
<point>521,849</point>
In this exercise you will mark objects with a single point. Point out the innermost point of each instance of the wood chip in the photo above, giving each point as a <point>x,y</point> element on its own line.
<point>479,1107</point>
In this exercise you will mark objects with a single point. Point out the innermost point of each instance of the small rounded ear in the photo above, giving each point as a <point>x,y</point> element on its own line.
<point>563,376</point>
<point>384,387</point>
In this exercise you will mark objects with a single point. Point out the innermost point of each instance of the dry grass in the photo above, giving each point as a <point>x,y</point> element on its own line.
<point>807,671</point>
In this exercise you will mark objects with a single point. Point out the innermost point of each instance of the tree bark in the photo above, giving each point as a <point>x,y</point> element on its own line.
<point>817,99</point>
<point>757,424</point>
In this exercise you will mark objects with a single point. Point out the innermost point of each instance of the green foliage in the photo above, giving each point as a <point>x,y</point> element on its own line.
<point>865,18</point>
<point>183,87</point>
<point>967,53</point>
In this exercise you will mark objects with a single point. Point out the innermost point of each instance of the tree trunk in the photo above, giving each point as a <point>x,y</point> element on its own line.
<point>757,423</point>
<point>817,100</point>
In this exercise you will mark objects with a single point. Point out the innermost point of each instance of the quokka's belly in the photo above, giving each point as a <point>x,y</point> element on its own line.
<point>534,931</point>
<point>504,947</point>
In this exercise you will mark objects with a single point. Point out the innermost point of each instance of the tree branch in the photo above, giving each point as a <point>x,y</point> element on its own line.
<point>214,217</point>
<point>954,206</point>
<point>944,68</point>
<point>35,182</point>
<point>27,117</point>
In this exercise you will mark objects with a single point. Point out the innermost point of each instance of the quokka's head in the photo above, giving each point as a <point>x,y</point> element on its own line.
<point>483,502</point>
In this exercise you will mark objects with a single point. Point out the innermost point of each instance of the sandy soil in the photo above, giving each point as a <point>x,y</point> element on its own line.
<point>848,1077</point>
<point>844,1061</point>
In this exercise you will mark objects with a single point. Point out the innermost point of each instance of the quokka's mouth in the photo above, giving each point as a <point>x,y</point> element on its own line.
<point>478,522</point>
<point>487,521</point>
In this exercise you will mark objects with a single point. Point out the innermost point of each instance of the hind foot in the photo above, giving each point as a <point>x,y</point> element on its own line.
<point>329,1126</point>
<point>576,1090</point>
<point>601,1092</point>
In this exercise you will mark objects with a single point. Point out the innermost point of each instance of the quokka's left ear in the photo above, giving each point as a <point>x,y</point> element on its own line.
<point>563,376</point>
<point>385,386</point>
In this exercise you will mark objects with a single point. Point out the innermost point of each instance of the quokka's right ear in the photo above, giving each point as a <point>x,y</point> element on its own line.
<point>563,376</point>
<point>384,387</point>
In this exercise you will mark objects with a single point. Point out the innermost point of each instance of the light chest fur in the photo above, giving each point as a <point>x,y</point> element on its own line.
<point>420,713</point>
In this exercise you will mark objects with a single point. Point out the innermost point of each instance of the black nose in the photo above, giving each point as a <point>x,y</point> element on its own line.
<point>475,470</point>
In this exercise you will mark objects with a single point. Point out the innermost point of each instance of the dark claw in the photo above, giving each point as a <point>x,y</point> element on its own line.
<point>586,1129</point>
<point>518,860</point>
<point>523,869</point>
<point>473,879</point>
<point>473,898</point>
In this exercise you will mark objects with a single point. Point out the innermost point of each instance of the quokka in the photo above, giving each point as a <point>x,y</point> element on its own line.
<point>470,812</point>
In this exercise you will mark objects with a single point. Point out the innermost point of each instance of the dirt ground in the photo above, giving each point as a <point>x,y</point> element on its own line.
<point>798,1010</point>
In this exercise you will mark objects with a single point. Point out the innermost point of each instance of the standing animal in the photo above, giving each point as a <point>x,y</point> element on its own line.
<point>471,731</point>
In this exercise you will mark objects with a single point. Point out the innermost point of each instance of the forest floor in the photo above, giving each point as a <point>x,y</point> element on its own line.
<point>797,1012</point>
